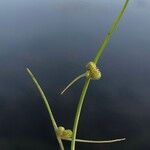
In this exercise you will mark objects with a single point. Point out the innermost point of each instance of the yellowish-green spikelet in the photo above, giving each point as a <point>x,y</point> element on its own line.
<point>92,71</point>
<point>64,133</point>
<point>60,131</point>
<point>67,134</point>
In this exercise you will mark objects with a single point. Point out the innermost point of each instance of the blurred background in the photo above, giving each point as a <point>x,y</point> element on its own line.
<point>56,39</point>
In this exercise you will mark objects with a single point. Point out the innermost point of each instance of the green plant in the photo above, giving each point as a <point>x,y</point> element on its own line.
<point>92,72</point>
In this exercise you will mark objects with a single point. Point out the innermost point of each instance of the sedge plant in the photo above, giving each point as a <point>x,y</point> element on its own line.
<point>91,73</point>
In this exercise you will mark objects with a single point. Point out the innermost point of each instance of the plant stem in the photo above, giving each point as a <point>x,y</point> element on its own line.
<point>87,81</point>
<point>47,107</point>
<point>110,32</point>
<point>72,82</point>
<point>78,112</point>
<point>96,141</point>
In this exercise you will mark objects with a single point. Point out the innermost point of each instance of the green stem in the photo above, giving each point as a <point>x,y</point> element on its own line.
<point>78,112</point>
<point>72,82</point>
<point>110,32</point>
<point>99,53</point>
<point>47,107</point>
<point>60,142</point>
<point>96,141</point>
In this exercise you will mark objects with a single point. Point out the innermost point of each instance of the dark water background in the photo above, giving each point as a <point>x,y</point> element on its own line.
<point>56,39</point>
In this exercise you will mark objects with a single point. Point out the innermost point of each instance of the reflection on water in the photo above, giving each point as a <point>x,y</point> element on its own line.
<point>56,39</point>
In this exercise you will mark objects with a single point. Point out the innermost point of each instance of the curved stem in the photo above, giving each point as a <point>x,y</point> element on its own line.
<point>78,112</point>
<point>110,32</point>
<point>99,53</point>
<point>47,107</point>
<point>72,82</point>
<point>96,141</point>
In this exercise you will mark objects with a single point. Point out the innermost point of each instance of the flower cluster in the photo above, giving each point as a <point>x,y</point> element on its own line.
<point>92,71</point>
<point>64,133</point>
